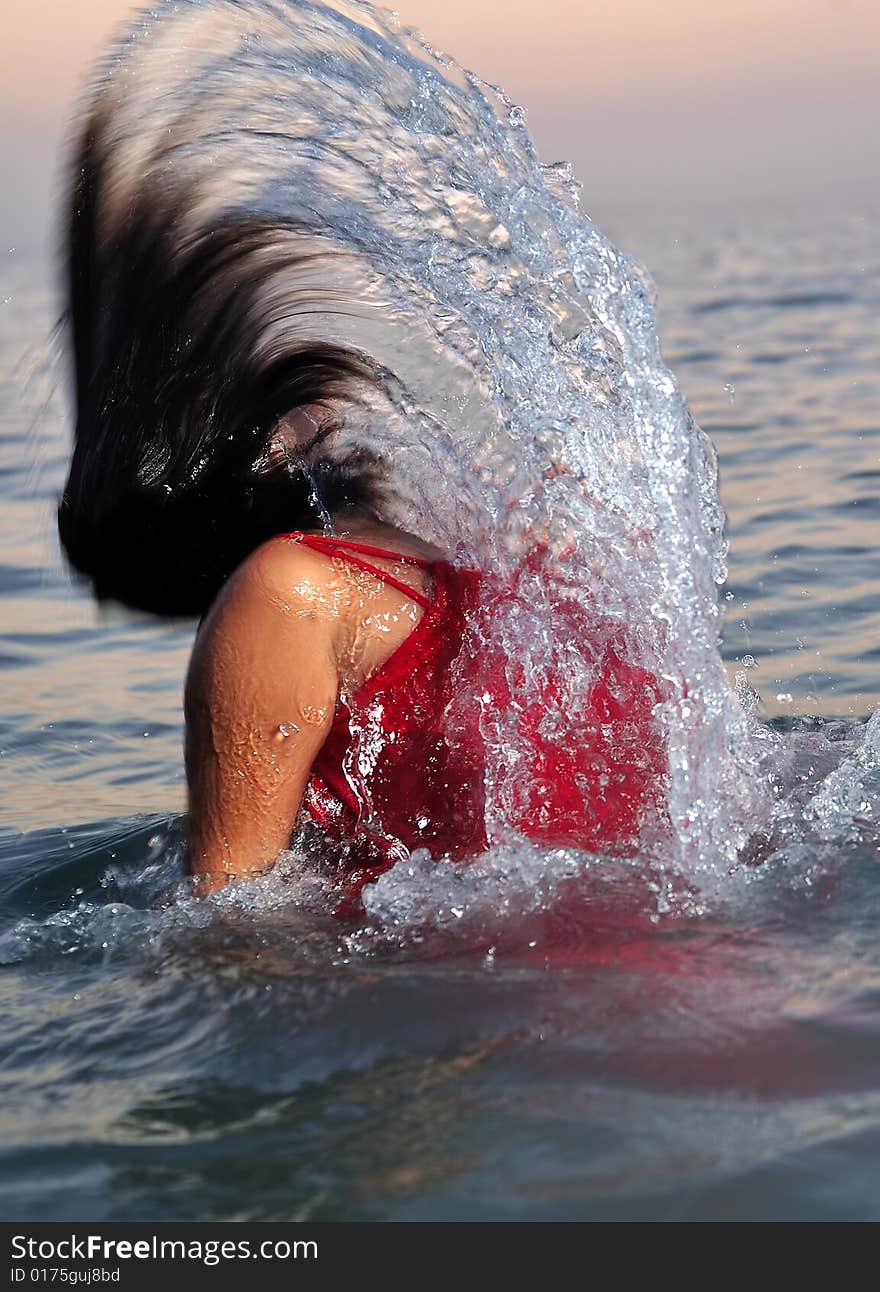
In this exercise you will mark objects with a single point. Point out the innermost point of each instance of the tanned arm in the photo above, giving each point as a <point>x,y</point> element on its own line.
<point>260,698</point>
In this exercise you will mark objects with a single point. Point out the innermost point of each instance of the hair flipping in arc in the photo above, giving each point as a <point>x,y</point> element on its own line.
<point>171,482</point>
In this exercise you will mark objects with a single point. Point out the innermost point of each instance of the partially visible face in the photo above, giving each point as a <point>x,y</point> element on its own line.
<point>297,431</point>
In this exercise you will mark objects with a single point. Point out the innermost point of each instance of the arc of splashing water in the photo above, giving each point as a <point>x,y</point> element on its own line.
<point>526,396</point>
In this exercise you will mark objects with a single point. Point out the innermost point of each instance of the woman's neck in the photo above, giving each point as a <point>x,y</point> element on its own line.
<point>360,524</point>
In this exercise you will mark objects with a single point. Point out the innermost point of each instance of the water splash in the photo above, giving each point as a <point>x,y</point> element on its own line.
<point>525,405</point>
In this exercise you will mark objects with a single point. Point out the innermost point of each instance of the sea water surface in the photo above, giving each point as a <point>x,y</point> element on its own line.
<point>543,1037</point>
<point>171,1064</point>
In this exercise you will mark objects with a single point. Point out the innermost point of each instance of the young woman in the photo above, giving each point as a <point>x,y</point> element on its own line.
<point>342,673</point>
<point>332,677</point>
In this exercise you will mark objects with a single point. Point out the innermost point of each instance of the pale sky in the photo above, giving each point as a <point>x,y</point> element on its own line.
<point>658,103</point>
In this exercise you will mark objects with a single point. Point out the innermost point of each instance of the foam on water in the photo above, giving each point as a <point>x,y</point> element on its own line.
<point>525,402</point>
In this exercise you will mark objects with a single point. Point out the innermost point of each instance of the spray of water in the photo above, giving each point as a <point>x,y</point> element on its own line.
<point>524,408</point>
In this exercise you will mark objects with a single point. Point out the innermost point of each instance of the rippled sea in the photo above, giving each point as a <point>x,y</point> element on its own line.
<point>250,1060</point>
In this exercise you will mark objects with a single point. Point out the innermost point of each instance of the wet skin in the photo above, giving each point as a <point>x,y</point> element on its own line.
<point>291,631</point>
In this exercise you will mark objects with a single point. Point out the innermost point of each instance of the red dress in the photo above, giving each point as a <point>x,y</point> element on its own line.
<point>405,764</point>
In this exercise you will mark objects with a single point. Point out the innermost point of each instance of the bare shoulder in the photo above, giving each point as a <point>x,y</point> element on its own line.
<point>260,699</point>
<point>277,617</point>
<point>282,581</point>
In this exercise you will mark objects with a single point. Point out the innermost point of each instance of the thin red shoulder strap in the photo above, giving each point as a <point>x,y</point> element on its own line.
<point>366,550</point>
<point>346,550</point>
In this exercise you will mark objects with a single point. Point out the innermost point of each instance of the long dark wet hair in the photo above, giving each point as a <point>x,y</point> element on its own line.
<point>173,479</point>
